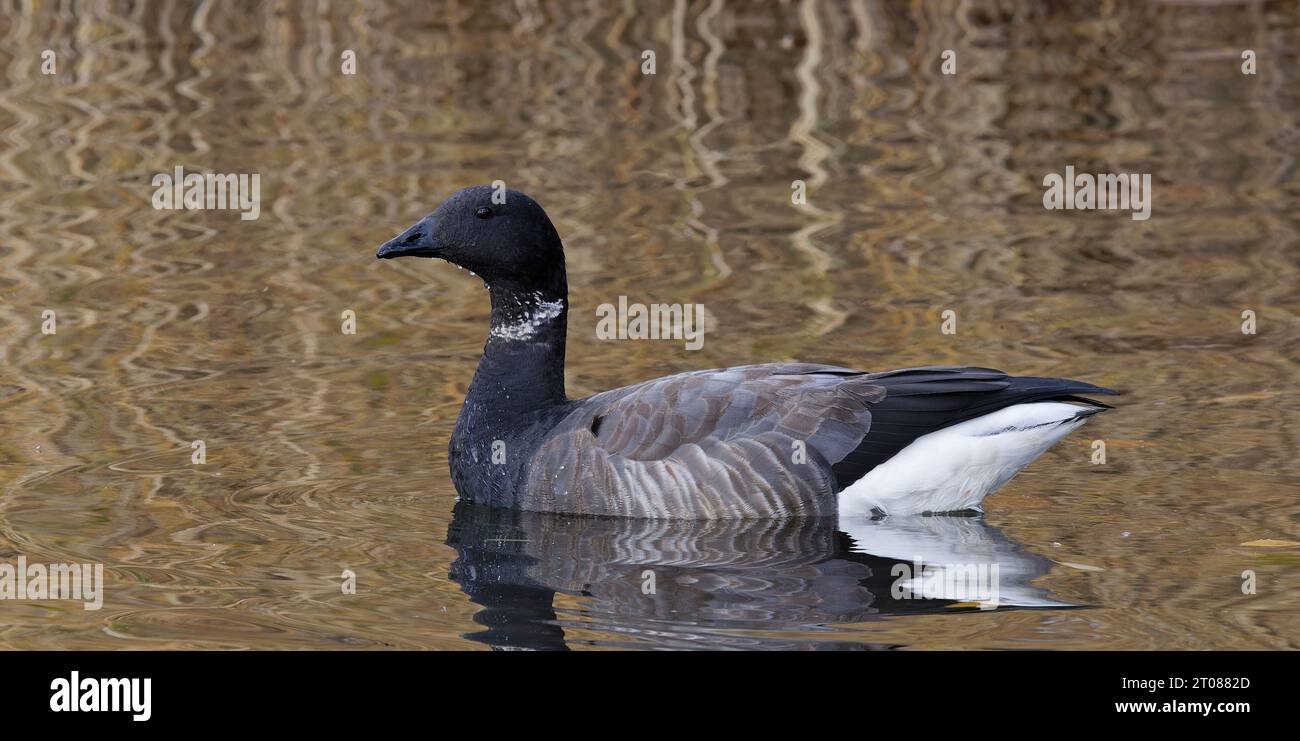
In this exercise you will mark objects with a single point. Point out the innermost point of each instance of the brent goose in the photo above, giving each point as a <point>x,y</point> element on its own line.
<point>754,441</point>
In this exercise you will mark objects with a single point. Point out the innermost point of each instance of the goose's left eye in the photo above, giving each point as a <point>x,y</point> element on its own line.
<point>484,213</point>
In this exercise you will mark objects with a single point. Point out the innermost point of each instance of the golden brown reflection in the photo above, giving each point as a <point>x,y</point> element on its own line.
<point>326,451</point>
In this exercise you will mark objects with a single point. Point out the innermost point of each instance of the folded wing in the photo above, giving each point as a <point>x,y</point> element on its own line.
<point>774,440</point>
<point>748,442</point>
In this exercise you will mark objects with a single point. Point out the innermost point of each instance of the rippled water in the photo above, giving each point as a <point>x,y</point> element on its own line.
<point>326,451</point>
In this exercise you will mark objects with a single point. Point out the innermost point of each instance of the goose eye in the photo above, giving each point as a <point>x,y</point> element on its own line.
<point>484,213</point>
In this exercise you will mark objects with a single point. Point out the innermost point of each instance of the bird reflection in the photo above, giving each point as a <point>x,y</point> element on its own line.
<point>725,584</point>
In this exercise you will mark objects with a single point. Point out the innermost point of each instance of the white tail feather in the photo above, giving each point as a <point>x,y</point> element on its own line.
<point>955,468</point>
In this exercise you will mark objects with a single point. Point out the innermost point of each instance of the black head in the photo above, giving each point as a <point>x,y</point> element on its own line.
<point>506,240</point>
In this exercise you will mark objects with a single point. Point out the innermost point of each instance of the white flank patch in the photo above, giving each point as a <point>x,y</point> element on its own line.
<point>955,468</point>
<point>526,327</point>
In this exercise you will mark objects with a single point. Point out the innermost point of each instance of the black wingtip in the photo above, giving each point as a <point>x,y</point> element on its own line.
<point>1091,403</point>
<point>1046,387</point>
<point>1083,387</point>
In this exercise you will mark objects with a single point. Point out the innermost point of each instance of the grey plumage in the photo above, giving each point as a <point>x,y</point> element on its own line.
<point>706,444</point>
<point>754,441</point>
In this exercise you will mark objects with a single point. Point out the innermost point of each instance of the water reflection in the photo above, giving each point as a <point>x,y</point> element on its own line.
<point>724,584</point>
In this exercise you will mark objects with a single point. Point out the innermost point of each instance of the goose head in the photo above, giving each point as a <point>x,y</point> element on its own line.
<point>500,235</point>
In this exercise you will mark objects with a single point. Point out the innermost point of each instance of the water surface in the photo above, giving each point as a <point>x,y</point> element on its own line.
<point>326,451</point>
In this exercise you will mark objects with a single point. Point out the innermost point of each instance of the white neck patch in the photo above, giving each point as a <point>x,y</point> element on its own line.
<point>525,328</point>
